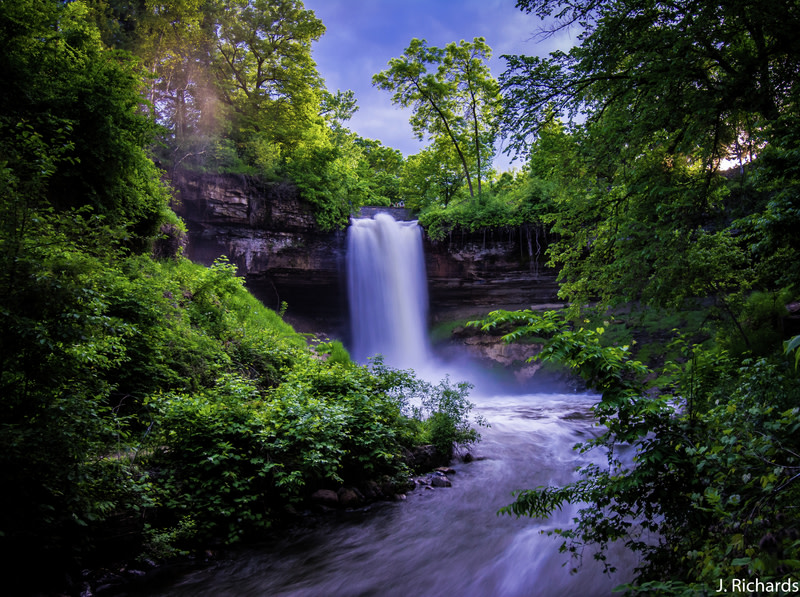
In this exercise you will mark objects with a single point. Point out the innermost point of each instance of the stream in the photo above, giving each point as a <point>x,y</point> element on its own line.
<point>440,541</point>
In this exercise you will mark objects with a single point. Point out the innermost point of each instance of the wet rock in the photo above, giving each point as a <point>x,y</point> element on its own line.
<point>349,497</point>
<point>470,274</point>
<point>423,458</point>
<point>387,487</point>
<point>445,470</point>
<point>440,481</point>
<point>325,497</point>
<point>370,490</point>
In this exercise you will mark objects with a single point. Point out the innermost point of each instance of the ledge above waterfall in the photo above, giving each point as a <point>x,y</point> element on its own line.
<point>398,213</point>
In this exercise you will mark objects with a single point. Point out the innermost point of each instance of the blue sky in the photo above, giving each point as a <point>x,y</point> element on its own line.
<point>362,35</point>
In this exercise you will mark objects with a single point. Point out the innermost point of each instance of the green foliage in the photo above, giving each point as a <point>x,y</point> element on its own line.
<point>207,459</point>
<point>447,423</point>
<point>231,456</point>
<point>526,199</point>
<point>381,168</point>
<point>643,211</point>
<point>456,107</point>
<point>756,330</point>
<point>792,346</point>
<point>162,545</point>
<point>68,102</point>
<point>701,457</point>
<point>325,169</point>
<point>263,65</point>
<point>712,476</point>
<point>335,351</point>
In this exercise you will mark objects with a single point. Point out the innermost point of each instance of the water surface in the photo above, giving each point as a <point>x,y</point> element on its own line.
<point>443,541</point>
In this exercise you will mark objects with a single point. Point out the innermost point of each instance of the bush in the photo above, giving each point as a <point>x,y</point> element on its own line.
<point>233,455</point>
<point>446,411</point>
<point>714,468</point>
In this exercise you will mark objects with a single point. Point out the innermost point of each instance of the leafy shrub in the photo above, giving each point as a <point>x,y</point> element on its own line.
<point>446,411</point>
<point>335,351</point>
<point>714,471</point>
<point>208,460</point>
<point>757,330</point>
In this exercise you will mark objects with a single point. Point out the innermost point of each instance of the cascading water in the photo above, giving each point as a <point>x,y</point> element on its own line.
<point>439,542</point>
<point>387,291</point>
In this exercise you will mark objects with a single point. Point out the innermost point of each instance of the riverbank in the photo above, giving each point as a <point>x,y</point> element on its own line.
<point>138,574</point>
<point>438,541</point>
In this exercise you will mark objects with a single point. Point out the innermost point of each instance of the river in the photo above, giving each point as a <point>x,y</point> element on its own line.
<point>445,541</point>
<point>441,541</point>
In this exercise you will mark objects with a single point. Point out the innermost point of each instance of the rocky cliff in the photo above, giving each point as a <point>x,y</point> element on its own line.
<point>473,273</point>
<point>271,235</point>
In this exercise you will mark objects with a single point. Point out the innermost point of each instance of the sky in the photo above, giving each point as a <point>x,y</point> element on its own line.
<point>362,35</point>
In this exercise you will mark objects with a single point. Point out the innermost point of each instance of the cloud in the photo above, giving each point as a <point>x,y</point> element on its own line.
<point>363,35</point>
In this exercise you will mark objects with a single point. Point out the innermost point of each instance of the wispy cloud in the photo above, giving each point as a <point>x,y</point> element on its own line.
<point>363,35</point>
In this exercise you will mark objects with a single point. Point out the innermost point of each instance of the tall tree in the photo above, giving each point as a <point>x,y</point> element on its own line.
<point>457,102</point>
<point>82,104</point>
<point>263,64</point>
<point>465,64</point>
<point>174,41</point>
<point>667,91</point>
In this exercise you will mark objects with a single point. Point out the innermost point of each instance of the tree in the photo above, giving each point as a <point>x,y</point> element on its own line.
<point>174,41</point>
<point>263,65</point>
<point>338,108</point>
<point>667,91</point>
<point>66,100</point>
<point>78,195</point>
<point>703,71</point>
<point>382,169</point>
<point>231,81</point>
<point>432,177</point>
<point>465,64</point>
<point>457,103</point>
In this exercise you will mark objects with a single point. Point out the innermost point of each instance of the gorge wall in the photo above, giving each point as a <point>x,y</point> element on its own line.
<point>270,234</point>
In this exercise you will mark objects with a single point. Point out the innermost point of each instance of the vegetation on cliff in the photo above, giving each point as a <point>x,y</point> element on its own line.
<point>234,88</point>
<point>148,405</point>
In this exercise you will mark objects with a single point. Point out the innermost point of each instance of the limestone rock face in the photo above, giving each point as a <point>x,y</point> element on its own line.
<point>270,233</point>
<point>272,237</point>
<point>470,274</point>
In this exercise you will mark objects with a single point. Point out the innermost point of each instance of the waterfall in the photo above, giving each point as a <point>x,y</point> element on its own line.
<point>387,289</point>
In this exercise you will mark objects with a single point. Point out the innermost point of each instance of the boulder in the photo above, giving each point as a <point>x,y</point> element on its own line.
<point>325,497</point>
<point>424,458</point>
<point>371,490</point>
<point>440,480</point>
<point>349,497</point>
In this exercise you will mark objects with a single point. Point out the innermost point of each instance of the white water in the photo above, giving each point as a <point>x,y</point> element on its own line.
<point>446,542</point>
<point>387,291</point>
<point>438,542</point>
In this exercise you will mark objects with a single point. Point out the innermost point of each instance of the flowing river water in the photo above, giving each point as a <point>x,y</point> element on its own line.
<point>446,541</point>
<point>442,541</point>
